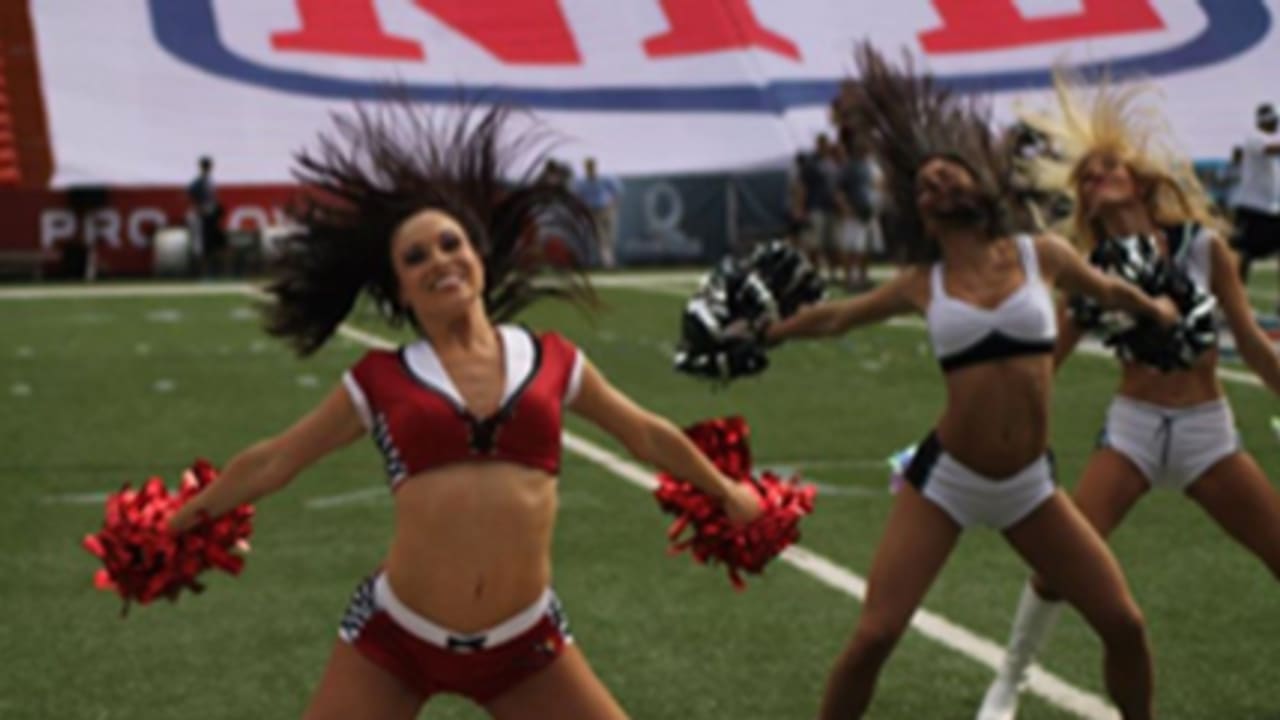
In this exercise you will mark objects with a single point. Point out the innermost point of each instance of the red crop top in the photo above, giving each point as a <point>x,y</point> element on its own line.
<point>419,420</point>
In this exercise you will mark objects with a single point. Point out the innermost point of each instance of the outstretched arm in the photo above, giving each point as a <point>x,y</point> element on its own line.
<point>269,465</point>
<point>1073,274</point>
<point>655,440</point>
<point>1255,347</point>
<point>837,317</point>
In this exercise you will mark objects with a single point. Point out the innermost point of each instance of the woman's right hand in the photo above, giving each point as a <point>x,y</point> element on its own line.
<point>742,503</point>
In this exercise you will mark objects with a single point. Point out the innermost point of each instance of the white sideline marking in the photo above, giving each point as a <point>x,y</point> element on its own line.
<point>809,464</point>
<point>656,289</point>
<point>84,498</point>
<point>79,292</point>
<point>617,280</point>
<point>828,490</point>
<point>347,498</point>
<point>165,315</point>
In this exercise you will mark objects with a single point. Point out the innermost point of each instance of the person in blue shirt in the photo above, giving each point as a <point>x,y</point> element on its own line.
<point>601,195</point>
<point>210,240</point>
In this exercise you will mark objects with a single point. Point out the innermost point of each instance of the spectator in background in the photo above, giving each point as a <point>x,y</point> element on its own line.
<point>601,195</point>
<point>209,239</point>
<point>797,223</point>
<point>857,199</point>
<point>817,199</point>
<point>1257,198</point>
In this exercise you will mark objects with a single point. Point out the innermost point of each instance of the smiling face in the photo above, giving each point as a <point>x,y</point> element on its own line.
<point>947,193</point>
<point>1103,181</point>
<point>437,270</point>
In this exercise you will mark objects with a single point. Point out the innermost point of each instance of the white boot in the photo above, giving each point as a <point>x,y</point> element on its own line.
<point>1031,625</point>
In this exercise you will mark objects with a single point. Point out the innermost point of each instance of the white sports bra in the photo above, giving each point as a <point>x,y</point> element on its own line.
<point>1024,323</point>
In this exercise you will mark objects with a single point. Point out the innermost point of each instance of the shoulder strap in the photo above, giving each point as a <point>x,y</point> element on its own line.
<point>936,291</point>
<point>1030,262</point>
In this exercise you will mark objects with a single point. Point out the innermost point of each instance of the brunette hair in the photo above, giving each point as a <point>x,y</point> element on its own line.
<point>379,166</point>
<point>909,119</point>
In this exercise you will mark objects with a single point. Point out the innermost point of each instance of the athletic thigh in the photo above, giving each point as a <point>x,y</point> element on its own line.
<point>1067,553</point>
<point>913,548</point>
<point>354,687</point>
<point>567,688</point>
<point>1236,494</point>
<point>1108,489</point>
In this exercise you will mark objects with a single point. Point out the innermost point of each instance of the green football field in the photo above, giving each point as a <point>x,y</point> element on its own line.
<point>98,391</point>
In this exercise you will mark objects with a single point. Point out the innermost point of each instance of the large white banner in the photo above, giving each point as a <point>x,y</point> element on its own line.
<point>137,89</point>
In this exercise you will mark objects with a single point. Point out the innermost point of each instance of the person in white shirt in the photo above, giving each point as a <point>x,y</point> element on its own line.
<point>1256,199</point>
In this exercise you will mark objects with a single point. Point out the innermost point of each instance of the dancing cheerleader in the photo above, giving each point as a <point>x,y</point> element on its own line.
<point>1165,430</point>
<point>468,417</point>
<point>985,294</point>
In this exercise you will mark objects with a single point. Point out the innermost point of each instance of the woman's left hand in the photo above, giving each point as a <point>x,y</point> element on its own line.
<point>1166,312</point>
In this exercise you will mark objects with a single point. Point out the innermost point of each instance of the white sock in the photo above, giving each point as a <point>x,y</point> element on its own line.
<point>1032,623</point>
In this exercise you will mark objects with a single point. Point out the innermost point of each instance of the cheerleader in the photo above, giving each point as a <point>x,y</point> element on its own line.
<point>468,417</point>
<point>1164,430</point>
<point>985,293</point>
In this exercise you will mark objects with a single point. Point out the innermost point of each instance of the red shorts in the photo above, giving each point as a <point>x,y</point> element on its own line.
<point>431,659</point>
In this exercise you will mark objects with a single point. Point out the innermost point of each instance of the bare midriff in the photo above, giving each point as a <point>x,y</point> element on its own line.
<point>1180,388</point>
<point>997,417</point>
<point>472,543</point>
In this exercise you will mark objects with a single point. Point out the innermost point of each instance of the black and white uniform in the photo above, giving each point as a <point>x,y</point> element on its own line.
<point>1172,447</point>
<point>1025,323</point>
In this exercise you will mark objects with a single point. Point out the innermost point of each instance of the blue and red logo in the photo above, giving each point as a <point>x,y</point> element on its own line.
<point>536,33</point>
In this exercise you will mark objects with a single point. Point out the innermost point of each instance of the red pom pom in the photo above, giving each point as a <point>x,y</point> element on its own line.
<point>143,561</point>
<point>714,538</point>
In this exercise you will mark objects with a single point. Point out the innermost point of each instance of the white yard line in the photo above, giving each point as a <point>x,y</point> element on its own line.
<point>79,292</point>
<point>809,464</point>
<point>81,498</point>
<point>347,498</point>
<point>108,290</point>
<point>829,490</point>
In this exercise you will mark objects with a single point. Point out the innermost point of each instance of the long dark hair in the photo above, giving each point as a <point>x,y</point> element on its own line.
<point>908,120</point>
<point>380,166</point>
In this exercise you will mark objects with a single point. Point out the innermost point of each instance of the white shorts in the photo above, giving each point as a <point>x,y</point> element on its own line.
<point>973,499</point>
<point>860,236</point>
<point>1172,447</point>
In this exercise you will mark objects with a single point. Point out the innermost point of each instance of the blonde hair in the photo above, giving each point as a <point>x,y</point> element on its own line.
<point>1107,119</point>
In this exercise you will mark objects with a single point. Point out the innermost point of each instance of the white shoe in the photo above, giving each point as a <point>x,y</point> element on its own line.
<point>1000,702</point>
